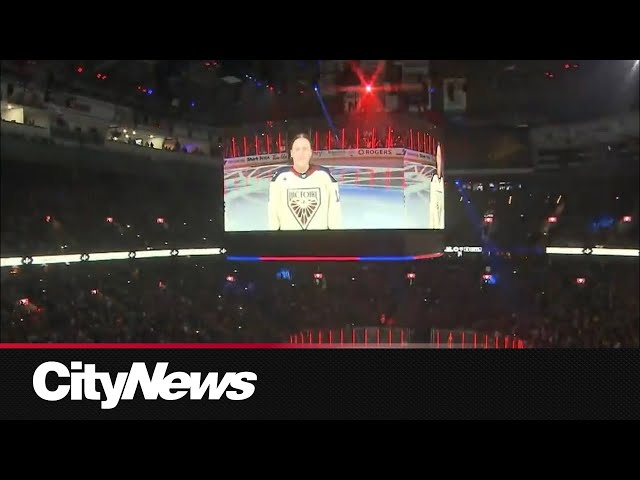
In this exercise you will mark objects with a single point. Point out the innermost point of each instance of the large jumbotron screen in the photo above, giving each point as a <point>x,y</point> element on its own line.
<point>352,189</point>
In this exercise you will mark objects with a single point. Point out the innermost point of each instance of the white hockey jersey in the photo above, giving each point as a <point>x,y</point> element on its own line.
<point>436,203</point>
<point>308,201</point>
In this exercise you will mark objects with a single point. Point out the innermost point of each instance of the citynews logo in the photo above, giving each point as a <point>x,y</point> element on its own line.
<point>463,249</point>
<point>174,386</point>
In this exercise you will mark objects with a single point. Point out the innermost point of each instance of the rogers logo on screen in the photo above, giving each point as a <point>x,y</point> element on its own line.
<point>83,380</point>
<point>377,151</point>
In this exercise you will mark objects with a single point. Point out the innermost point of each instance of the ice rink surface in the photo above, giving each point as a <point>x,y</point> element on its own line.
<point>363,207</point>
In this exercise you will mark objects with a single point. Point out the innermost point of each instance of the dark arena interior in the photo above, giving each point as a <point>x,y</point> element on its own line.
<point>446,204</point>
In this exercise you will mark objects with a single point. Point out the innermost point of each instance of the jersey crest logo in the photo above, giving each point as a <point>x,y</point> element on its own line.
<point>303,204</point>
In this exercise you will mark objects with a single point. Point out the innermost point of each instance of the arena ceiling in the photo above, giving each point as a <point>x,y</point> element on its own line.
<point>203,90</point>
<point>537,92</point>
<point>232,91</point>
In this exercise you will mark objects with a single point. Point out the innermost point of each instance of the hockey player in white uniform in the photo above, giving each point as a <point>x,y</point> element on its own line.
<point>304,196</point>
<point>436,196</point>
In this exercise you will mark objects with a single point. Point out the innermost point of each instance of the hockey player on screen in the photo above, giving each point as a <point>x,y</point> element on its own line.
<point>436,196</point>
<point>303,196</point>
